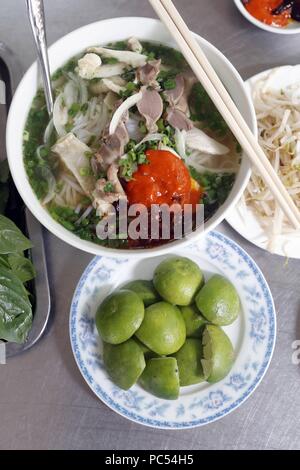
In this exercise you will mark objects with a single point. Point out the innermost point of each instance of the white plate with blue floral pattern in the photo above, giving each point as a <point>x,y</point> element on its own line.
<point>253,336</point>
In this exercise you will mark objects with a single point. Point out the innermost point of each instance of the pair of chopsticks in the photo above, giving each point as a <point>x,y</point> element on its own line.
<point>205,73</point>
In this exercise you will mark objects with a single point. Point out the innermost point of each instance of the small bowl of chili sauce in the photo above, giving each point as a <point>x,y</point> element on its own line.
<point>276,16</point>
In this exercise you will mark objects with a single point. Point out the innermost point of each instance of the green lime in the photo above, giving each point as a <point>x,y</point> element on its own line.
<point>146,351</point>
<point>218,353</point>
<point>160,378</point>
<point>119,316</point>
<point>189,362</point>
<point>163,328</point>
<point>218,301</point>
<point>178,280</point>
<point>145,290</point>
<point>194,321</point>
<point>124,363</point>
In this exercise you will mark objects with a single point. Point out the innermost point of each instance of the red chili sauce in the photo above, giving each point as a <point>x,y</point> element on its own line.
<point>163,180</point>
<point>262,11</point>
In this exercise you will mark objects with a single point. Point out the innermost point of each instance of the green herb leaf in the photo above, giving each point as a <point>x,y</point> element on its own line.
<point>131,87</point>
<point>142,158</point>
<point>170,84</point>
<point>168,55</point>
<point>129,74</point>
<point>85,171</point>
<point>109,187</point>
<point>88,154</point>
<point>74,109</point>
<point>4,261</point>
<point>205,111</point>
<point>22,267</point>
<point>12,239</point>
<point>142,127</point>
<point>118,45</point>
<point>109,60</point>
<point>84,108</point>
<point>15,308</point>
<point>57,74</point>
<point>128,167</point>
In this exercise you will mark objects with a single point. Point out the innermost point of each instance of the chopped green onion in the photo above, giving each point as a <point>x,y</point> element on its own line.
<point>142,158</point>
<point>88,154</point>
<point>109,60</point>
<point>85,171</point>
<point>170,84</point>
<point>74,109</point>
<point>84,108</point>
<point>142,127</point>
<point>109,187</point>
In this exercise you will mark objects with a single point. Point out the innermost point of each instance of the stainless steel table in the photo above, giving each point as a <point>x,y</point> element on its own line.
<point>44,402</point>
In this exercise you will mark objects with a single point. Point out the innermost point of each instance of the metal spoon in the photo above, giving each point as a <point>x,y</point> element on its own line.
<point>36,15</point>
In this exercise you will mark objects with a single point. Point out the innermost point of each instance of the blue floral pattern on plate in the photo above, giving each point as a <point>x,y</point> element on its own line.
<point>253,336</point>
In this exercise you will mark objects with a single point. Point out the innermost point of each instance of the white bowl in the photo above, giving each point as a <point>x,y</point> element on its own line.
<point>292,28</point>
<point>104,32</point>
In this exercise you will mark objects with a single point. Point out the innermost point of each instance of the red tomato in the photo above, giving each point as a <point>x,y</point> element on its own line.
<point>163,180</point>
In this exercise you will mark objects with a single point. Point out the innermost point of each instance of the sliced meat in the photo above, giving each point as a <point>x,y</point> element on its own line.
<point>112,176</point>
<point>72,153</point>
<point>111,85</point>
<point>113,146</point>
<point>147,74</point>
<point>190,80</point>
<point>150,107</point>
<point>178,97</point>
<point>90,67</point>
<point>128,57</point>
<point>174,96</point>
<point>111,100</point>
<point>135,45</point>
<point>100,87</point>
<point>183,105</point>
<point>103,199</point>
<point>179,120</point>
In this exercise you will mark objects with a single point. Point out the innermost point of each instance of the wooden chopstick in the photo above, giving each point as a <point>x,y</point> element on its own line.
<point>203,70</point>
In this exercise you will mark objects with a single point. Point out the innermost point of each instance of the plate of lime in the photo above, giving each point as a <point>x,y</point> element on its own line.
<point>174,341</point>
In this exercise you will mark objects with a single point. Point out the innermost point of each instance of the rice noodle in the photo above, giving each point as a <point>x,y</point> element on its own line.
<point>121,110</point>
<point>180,140</point>
<point>84,215</point>
<point>70,194</point>
<point>48,132</point>
<point>150,138</point>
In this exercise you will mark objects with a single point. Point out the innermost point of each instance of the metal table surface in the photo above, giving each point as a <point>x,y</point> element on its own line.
<point>44,402</point>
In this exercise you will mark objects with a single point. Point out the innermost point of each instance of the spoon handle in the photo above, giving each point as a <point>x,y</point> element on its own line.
<point>36,15</point>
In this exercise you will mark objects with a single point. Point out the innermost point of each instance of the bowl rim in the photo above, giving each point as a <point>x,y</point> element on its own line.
<point>41,213</point>
<point>261,25</point>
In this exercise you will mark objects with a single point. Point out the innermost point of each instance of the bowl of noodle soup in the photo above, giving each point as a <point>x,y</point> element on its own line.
<point>131,125</point>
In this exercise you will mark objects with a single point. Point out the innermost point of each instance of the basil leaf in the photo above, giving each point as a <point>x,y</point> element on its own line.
<point>4,171</point>
<point>11,238</point>
<point>22,267</point>
<point>4,261</point>
<point>15,308</point>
